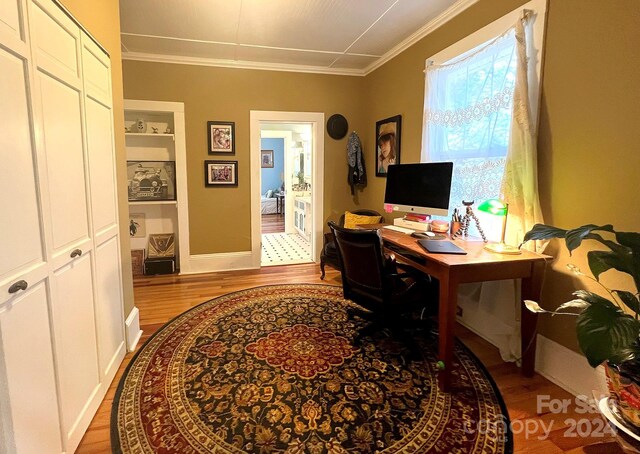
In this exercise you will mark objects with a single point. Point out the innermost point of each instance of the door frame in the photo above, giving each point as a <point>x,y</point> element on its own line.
<point>316,120</point>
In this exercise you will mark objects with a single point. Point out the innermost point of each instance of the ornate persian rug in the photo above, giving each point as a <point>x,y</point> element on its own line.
<point>273,370</point>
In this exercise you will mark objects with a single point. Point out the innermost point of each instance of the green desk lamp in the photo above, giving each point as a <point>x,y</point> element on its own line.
<point>499,208</point>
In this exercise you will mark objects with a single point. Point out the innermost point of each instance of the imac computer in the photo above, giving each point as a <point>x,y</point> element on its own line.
<point>419,188</point>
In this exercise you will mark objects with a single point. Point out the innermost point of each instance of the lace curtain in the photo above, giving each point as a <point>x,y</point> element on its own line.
<point>467,118</point>
<point>477,115</point>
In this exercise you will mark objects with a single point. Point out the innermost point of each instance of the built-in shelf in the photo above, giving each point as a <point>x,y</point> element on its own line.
<point>154,202</point>
<point>149,134</point>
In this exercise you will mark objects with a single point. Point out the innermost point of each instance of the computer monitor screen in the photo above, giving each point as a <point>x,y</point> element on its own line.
<point>419,188</point>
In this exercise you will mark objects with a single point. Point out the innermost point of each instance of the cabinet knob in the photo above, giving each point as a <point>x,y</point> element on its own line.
<point>17,286</point>
<point>76,253</point>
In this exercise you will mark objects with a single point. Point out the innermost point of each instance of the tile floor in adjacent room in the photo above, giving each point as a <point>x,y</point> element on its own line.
<point>284,249</point>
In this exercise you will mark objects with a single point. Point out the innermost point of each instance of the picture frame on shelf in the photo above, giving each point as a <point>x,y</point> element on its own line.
<point>161,245</point>
<point>151,180</point>
<point>137,261</point>
<point>221,137</point>
<point>388,134</point>
<point>137,225</point>
<point>220,173</point>
<point>266,159</point>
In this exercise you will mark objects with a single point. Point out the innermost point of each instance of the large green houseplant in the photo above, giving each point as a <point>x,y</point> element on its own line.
<point>608,328</point>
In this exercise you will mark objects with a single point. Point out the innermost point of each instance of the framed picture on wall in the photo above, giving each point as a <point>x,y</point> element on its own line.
<point>137,227</point>
<point>151,180</point>
<point>387,144</point>
<point>221,137</point>
<point>266,159</point>
<point>221,173</point>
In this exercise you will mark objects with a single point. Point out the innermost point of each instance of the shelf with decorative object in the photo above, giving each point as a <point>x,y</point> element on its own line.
<point>156,173</point>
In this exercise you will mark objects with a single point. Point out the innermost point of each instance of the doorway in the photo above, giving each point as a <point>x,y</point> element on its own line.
<point>286,191</point>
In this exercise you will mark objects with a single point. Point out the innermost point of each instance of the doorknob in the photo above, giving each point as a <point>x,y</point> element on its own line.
<point>17,286</point>
<point>76,253</point>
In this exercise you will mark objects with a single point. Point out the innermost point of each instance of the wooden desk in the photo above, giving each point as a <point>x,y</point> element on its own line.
<point>478,265</point>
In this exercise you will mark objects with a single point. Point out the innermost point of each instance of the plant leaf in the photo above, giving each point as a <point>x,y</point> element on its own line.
<point>603,331</point>
<point>543,232</point>
<point>629,300</point>
<point>574,237</point>
<point>594,298</point>
<point>632,241</point>
<point>534,307</point>
<point>577,303</point>
<point>601,261</point>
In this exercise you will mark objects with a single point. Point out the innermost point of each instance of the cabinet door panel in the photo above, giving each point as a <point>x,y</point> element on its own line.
<point>57,41</point>
<point>27,365</point>
<point>75,339</point>
<point>101,165</point>
<point>109,304</point>
<point>63,148</point>
<point>96,71</point>
<point>20,242</point>
<point>10,17</point>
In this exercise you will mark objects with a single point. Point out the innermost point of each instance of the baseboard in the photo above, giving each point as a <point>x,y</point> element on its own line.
<point>568,369</point>
<point>133,331</point>
<point>226,261</point>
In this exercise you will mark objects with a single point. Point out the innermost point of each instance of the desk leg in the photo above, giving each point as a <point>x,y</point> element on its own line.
<point>531,288</point>
<point>447,324</point>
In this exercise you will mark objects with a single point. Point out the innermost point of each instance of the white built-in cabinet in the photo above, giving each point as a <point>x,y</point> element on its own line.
<point>61,313</point>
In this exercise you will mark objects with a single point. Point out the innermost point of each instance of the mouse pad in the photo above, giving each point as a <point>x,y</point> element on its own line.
<point>441,247</point>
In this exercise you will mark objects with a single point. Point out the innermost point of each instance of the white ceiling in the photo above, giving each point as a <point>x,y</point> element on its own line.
<point>329,36</point>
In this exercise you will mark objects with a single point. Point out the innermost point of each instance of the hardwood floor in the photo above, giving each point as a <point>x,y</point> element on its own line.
<point>160,298</point>
<point>272,223</point>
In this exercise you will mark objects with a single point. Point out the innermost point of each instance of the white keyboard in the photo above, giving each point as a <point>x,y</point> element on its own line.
<point>399,229</point>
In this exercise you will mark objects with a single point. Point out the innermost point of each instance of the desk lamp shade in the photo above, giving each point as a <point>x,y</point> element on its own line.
<point>499,208</point>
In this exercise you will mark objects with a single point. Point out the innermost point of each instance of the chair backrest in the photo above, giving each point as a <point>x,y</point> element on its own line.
<point>363,265</point>
<point>362,212</point>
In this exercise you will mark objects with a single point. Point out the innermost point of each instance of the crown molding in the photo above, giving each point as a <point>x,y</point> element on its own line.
<point>237,64</point>
<point>437,22</point>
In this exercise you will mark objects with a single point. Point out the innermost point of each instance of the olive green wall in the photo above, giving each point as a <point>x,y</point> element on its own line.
<point>219,218</point>
<point>588,135</point>
<point>588,139</point>
<point>102,19</point>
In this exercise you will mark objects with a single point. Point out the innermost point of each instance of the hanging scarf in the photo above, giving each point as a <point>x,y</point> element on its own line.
<point>357,173</point>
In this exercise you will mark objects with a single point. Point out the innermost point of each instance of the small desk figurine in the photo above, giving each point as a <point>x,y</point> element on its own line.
<point>155,130</point>
<point>466,220</point>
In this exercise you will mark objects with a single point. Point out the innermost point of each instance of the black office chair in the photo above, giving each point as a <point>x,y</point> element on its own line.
<point>388,290</point>
<point>329,255</point>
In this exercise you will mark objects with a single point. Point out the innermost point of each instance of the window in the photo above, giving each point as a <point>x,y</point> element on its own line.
<point>468,107</point>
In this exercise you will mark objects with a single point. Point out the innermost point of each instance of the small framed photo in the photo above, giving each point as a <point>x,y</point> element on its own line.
<point>161,245</point>
<point>388,133</point>
<point>221,173</point>
<point>266,159</point>
<point>137,227</point>
<point>221,137</point>
<point>137,261</point>
<point>151,180</point>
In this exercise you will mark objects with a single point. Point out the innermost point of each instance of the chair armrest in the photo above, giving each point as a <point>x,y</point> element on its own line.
<point>328,237</point>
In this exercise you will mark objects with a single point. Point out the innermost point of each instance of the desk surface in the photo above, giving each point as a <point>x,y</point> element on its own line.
<point>476,254</point>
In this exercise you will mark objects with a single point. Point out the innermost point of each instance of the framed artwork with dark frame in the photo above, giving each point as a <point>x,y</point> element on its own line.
<point>221,137</point>
<point>388,133</point>
<point>266,159</point>
<point>220,173</point>
<point>150,181</point>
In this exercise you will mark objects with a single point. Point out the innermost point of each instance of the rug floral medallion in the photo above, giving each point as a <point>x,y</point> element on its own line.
<point>274,370</point>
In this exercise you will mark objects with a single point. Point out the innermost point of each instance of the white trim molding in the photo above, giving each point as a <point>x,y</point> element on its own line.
<point>568,369</point>
<point>133,331</point>
<point>224,261</point>
<point>316,119</point>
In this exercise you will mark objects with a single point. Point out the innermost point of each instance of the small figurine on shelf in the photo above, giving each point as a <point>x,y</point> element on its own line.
<point>155,130</point>
<point>168,130</point>
<point>141,125</point>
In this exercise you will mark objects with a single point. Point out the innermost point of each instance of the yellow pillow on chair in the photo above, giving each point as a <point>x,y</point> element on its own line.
<point>352,220</point>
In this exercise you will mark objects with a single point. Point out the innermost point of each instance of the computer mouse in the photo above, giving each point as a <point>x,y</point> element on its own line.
<point>431,234</point>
